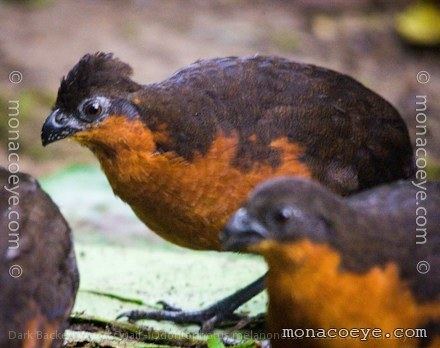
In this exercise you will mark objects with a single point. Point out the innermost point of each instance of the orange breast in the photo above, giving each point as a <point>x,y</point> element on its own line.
<point>307,289</point>
<point>39,332</point>
<point>185,202</point>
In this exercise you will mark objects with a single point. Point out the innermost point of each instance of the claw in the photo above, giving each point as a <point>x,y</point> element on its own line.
<point>220,313</point>
<point>167,307</point>
<point>206,322</point>
<point>130,315</point>
<point>208,325</point>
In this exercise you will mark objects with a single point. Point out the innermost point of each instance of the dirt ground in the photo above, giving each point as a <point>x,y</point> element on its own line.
<point>44,39</point>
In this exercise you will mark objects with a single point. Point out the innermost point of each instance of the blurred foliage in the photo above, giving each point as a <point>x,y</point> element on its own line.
<point>33,105</point>
<point>420,24</point>
<point>215,342</point>
<point>32,4</point>
<point>433,170</point>
<point>285,41</point>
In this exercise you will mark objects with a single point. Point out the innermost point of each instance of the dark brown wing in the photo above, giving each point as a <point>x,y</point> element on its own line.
<point>352,138</point>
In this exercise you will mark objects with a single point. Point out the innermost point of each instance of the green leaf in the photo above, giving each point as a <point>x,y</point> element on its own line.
<point>215,342</point>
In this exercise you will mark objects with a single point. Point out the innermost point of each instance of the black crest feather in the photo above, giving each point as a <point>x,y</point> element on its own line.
<point>95,73</point>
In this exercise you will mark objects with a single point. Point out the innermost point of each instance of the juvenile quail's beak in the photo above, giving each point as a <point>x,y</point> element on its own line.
<point>242,231</point>
<point>57,126</point>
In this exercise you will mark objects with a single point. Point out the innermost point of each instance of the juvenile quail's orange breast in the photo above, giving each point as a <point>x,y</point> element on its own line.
<point>308,289</point>
<point>186,202</point>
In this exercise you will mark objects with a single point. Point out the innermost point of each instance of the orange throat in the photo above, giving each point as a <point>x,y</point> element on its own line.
<point>187,202</point>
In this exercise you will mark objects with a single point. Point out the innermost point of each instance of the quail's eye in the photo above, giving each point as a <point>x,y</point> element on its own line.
<point>283,214</point>
<point>92,109</point>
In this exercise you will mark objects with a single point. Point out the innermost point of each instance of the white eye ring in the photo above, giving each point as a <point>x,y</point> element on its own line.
<point>287,212</point>
<point>103,102</point>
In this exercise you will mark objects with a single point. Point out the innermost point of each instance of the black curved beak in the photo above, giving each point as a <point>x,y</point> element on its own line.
<point>58,126</point>
<point>242,231</point>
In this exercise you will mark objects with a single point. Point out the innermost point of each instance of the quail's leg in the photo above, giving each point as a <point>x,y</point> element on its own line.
<point>209,317</point>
